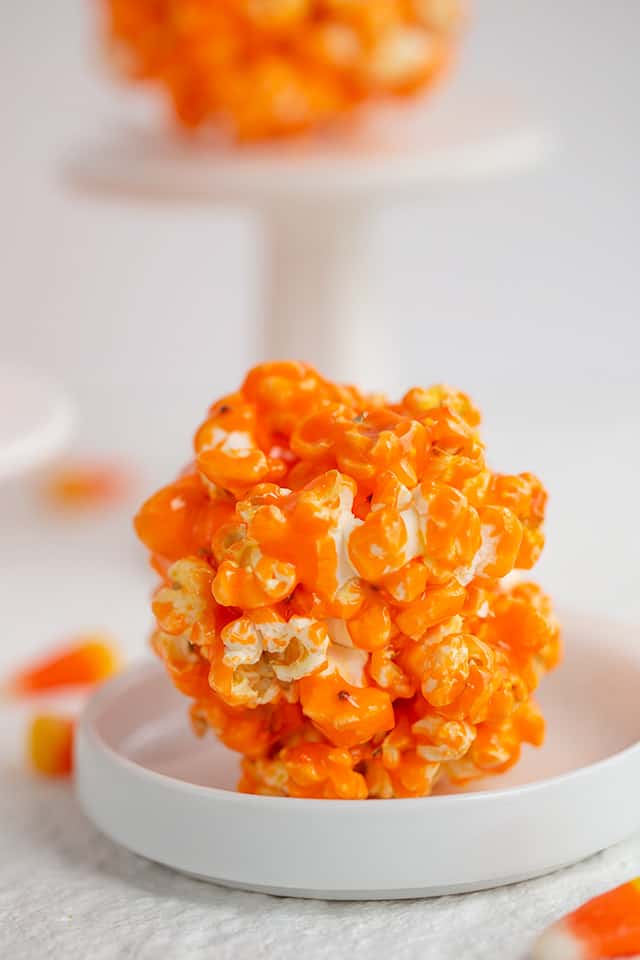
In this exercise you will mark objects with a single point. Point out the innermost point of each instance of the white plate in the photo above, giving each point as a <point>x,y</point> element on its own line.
<point>35,420</point>
<point>146,782</point>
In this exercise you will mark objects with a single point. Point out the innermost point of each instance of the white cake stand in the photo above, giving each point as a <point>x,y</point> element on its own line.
<point>316,199</point>
<point>36,419</point>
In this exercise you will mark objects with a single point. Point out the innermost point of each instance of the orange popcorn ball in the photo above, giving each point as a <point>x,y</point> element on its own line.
<point>269,68</point>
<point>332,595</point>
<point>50,745</point>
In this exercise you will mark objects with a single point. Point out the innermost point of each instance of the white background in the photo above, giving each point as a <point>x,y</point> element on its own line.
<point>523,292</point>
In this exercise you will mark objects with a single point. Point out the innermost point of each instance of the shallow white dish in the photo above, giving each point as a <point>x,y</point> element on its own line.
<point>147,783</point>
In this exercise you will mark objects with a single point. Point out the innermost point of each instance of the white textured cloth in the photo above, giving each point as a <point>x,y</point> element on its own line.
<point>67,893</point>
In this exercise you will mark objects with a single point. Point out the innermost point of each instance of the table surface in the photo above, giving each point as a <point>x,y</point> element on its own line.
<point>72,891</point>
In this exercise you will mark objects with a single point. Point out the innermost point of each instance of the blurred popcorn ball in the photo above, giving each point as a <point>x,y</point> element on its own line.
<point>333,595</point>
<point>268,68</point>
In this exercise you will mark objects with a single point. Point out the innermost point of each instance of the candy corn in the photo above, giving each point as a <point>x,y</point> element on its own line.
<point>607,926</point>
<point>86,484</point>
<point>89,660</point>
<point>50,744</point>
